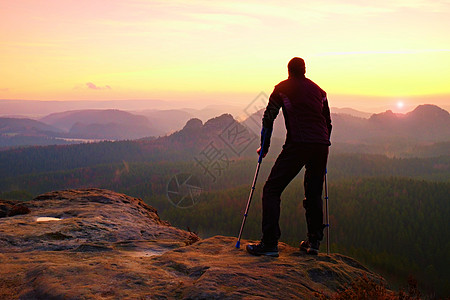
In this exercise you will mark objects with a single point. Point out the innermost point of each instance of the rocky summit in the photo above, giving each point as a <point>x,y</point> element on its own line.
<point>98,244</point>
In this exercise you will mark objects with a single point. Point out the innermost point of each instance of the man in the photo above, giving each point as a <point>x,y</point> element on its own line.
<point>308,123</point>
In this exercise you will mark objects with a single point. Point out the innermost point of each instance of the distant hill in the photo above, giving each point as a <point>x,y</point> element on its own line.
<point>351,112</point>
<point>166,121</point>
<point>214,110</point>
<point>223,133</point>
<point>14,126</point>
<point>65,120</point>
<point>428,123</point>
<point>110,131</point>
<point>101,124</point>
<point>74,126</point>
<point>24,132</point>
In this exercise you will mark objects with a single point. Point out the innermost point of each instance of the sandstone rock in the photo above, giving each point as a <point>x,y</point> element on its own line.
<point>105,245</point>
<point>10,208</point>
<point>85,217</point>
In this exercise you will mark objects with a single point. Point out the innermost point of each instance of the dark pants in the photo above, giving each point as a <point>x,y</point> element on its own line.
<point>288,164</point>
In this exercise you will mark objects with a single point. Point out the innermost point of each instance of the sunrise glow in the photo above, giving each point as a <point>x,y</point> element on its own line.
<point>228,50</point>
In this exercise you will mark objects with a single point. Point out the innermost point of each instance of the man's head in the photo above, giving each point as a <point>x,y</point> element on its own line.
<point>296,67</point>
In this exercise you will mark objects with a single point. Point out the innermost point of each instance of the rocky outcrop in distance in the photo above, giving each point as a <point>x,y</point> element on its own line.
<point>98,244</point>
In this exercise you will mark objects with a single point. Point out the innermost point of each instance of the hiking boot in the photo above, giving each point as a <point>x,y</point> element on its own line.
<point>310,247</point>
<point>262,249</point>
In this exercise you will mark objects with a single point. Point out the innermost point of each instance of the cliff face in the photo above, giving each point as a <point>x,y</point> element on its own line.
<point>97,244</point>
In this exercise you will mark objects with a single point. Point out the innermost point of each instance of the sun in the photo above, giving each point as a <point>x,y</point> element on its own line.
<point>400,104</point>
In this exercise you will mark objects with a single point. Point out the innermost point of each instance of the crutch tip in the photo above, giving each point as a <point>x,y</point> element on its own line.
<point>238,244</point>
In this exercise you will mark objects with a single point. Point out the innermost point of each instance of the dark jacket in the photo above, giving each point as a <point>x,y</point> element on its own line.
<point>305,109</point>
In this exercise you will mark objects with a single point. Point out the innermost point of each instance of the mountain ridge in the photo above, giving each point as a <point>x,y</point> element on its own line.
<point>426,123</point>
<point>385,133</point>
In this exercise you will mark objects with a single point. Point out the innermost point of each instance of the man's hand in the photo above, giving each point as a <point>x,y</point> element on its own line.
<point>259,151</point>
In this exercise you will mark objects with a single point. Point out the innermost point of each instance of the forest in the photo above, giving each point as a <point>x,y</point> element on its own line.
<point>390,213</point>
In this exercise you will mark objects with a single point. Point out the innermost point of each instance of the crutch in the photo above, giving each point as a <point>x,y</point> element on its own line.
<point>238,243</point>
<point>326,213</point>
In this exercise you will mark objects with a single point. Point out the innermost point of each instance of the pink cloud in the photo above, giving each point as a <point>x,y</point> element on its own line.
<point>4,90</point>
<point>92,86</point>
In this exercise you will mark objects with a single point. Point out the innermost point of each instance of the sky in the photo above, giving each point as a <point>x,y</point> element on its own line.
<point>365,54</point>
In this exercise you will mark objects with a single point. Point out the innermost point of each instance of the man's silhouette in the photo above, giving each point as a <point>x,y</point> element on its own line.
<point>308,123</point>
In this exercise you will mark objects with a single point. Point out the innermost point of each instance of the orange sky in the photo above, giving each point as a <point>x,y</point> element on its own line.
<point>225,51</point>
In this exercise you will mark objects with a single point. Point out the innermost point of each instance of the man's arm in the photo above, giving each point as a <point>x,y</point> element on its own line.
<point>326,114</point>
<point>270,114</point>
